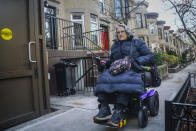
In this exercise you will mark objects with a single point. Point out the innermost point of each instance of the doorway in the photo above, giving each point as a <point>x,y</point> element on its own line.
<point>105,38</point>
<point>23,67</point>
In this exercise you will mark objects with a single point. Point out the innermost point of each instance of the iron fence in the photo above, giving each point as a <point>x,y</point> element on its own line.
<point>86,73</point>
<point>58,31</point>
<point>63,34</point>
<point>97,40</point>
<point>180,113</point>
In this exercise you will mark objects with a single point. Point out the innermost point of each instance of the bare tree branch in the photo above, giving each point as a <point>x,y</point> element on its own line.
<point>186,14</point>
<point>125,17</point>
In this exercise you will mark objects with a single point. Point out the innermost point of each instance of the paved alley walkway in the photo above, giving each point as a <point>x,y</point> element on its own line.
<point>77,111</point>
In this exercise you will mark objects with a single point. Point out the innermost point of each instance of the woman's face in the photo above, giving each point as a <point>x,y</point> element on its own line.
<point>122,35</point>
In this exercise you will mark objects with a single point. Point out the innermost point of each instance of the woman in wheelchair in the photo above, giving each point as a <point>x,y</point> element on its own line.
<point>117,89</point>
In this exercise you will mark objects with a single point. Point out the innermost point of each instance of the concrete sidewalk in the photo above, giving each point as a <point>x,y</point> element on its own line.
<point>75,112</point>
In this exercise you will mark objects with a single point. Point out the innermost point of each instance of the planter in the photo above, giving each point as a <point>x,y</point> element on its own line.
<point>163,70</point>
<point>174,70</point>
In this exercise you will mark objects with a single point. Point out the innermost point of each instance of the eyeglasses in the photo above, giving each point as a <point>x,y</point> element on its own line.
<point>120,32</point>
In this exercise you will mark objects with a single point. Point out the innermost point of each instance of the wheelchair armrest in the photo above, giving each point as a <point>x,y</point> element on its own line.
<point>101,68</point>
<point>146,68</point>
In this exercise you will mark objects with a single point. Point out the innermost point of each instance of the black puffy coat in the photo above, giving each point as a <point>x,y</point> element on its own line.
<point>130,81</point>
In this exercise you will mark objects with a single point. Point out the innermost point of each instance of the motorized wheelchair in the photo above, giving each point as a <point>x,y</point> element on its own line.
<point>144,104</point>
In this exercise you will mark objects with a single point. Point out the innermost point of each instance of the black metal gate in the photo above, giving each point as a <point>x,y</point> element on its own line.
<point>180,112</point>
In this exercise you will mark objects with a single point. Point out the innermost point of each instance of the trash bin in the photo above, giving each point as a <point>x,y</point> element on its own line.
<point>65,78</point>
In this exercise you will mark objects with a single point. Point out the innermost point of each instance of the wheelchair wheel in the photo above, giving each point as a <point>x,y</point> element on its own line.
<point>154,104</point>
<point>143,117</point>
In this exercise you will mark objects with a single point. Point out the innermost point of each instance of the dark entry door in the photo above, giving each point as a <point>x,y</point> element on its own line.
<point>21,62</point>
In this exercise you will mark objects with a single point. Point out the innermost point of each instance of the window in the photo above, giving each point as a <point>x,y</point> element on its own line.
<point>152,30</point>
<point>118,8</point>
<point>146,21</point>
<point>101,4</point>
<point>50,27</point>
<point>94,27</point>
<point>127,7</point>
<point>160,33</point>
<point>170,38</point>
<point>78,19</point>
<point>93,18</point>
<point>49,10</point>
<point>139,20</point>
<point>166,37</point>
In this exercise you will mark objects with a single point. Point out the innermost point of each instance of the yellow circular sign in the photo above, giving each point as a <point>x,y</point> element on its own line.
<point>6,34</point>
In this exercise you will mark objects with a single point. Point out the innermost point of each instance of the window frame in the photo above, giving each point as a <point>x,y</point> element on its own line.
<point>152,33</point>
<point>141,21</point>
<point>160,33</point>
<point>145,17</point>
<point>166,37</point>
<point>120,8</point>
<point>79,21</point>
<point>93,22</point>
<point>126,7</point>
<point>102,5</point>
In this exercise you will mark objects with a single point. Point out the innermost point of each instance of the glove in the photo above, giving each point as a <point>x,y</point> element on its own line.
<point>101,64</point>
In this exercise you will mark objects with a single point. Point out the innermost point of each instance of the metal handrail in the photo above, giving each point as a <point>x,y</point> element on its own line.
<point>83,36</point>
<point>61,30</point>
<point>184,87</point>
<point>89,69</point>
<point>59,18</point>
<point>92,31</point>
